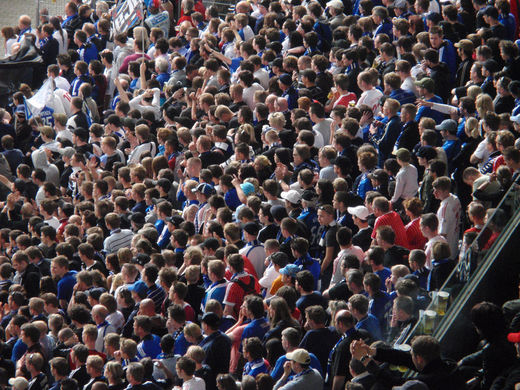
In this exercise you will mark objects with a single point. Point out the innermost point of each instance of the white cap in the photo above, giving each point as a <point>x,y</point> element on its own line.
<point>292,196</point>
<point>19,383</point>
<point>359,211</point>
<point>336,4</point>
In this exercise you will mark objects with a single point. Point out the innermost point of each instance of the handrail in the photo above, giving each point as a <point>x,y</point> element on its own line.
<point>448,318</point>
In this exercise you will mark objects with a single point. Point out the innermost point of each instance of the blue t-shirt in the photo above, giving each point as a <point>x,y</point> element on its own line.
<point>149,347</point>
<point>278,367</point>
<point>311,265</point>
<point>383,274</point>
<point>256,328</point>
<point>255,367</point>
<point>371,324</point>
<point>181,344</point>
<point>231,199</point>
<point>66,285</point>
<point>19,348</point>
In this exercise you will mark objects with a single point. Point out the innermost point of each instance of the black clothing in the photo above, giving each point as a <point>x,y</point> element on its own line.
<point>396,255</point>
<point>363,238</point>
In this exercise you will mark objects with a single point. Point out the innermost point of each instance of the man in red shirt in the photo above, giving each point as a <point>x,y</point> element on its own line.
<point>414,209</point>
<point>240,285</point>
<point>384,216</point>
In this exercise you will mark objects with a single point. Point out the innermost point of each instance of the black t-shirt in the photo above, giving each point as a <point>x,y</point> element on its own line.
<point>341,356</point>
<point>320,342</point>
<point>310,300</point>
<point>340,291</point>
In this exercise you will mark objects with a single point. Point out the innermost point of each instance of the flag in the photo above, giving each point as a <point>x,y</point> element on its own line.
<point>126,15</point>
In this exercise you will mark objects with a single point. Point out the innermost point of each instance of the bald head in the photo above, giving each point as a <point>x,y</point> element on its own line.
<point>99,313</point>
<point>242,7</point>
<point>147,307</point>
<point>24,22</point>
<point>344,319</point>
<point>282,104</point>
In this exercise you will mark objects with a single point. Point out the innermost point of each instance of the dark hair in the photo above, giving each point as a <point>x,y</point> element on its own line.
<point>489,320</point>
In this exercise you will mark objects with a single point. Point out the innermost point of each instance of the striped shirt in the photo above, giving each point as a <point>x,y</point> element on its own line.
<point>157,295</point>
<point>118,239</point>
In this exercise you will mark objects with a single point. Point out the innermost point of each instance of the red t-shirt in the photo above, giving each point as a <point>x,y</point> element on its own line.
<point>393,220</point>
<point>344,100</point>
<point>235,293</point>
<point>416,240</point>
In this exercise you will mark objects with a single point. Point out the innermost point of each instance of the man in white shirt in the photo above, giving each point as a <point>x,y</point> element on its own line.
<point>321,124</point>
<point>429,229</point>
<point>448,213</point>
<point>406,184</point>
<point>53,72</point>
<point>185,368</point>
<point>247,79</point>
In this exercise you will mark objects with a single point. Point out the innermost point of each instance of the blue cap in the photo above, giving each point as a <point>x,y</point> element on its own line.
<point>247,188</point>
<point>290,270</point>
<point>204,188</point>
<point>139,287</point>
<point>285,79</point>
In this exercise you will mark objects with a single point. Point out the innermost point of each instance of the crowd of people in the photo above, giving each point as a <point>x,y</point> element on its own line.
<point>266,199</point>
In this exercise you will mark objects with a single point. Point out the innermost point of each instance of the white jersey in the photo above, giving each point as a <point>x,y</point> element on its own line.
<point>449,222</point>
<point>371,98</point>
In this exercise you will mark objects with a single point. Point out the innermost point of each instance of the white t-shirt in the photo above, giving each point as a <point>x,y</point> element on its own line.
<point>63,42</point>
<point>449,222</point>
<point>371,98</point>
<point>429,247</point>
<point>194,383</point>
<point>249,94</point>
<point>256,256</point>
<point>482,152</point>
<point>353,250</point>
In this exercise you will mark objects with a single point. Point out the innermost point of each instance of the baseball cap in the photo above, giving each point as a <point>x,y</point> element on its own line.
<point>292,196</point>
<point>278,212</point>
<point>95,293</point>
<point>427,152</point>
<point>465,44</point>
<point>20,109</point>
<point>67,152</point>
<point>290,270</point>
<point>299,355</point>
<point>252,228</point>
<point>211,319</point>
<point>176,220</point>
<point>19,383</point>
<point>139,288</point>
<point>247,188</point>
<point>448,125</point>
<point>359,211</point>
<point>204,188</point>
<point>403,154</point>
<point>426,83</point>
<point>285,79</point>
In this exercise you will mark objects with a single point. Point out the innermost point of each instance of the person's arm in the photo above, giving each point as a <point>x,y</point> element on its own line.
<point>218,55</point>
<point>283,380</point>
<point>241,196</point>
<point>399,187</point>
<point>122,93</point>
<point>327,259</point>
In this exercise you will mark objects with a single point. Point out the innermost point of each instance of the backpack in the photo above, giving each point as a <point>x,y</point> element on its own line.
<point>248,288</point>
